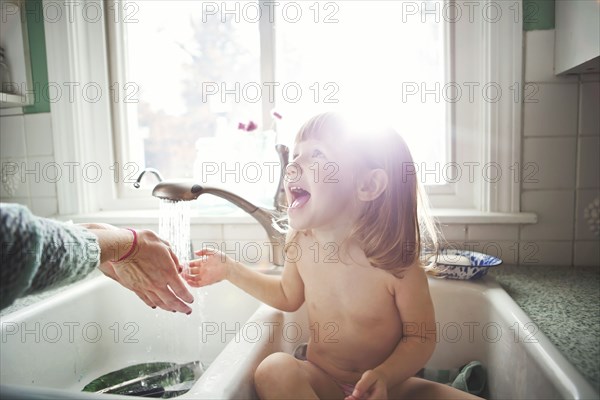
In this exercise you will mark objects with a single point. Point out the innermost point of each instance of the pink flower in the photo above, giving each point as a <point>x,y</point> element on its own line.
<point>247,127</point>
<point>251,126</point>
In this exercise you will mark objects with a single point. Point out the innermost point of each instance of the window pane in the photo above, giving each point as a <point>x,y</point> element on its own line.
<point>366,55</point>
<point>178,55</point>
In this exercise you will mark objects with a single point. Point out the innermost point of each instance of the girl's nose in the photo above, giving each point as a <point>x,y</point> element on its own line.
<point>293,172</point>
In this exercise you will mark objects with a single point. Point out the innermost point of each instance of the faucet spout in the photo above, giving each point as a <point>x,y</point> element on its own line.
<point>154,171</point>
<point>267,218</point>
<point>280,201</point>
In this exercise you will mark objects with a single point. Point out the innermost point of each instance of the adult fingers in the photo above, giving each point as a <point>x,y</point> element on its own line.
<point>174,303</point>
<point>145,299</point>
<point>157,301</point>
<point>175,260</point>
<point>180,290</point>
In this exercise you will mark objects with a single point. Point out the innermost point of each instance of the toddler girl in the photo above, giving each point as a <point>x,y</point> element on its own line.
<point>355,234</point>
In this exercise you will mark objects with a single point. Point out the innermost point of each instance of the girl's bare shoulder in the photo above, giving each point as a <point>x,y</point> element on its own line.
<point>412,279</point>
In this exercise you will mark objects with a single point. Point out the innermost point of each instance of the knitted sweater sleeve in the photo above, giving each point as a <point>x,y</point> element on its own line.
<point>38,253</point>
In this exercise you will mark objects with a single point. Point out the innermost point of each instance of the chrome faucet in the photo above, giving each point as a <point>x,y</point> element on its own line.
<point>269,219</point>
<point>153,171</point>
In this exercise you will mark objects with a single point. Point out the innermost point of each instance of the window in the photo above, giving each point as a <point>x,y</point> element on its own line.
<point>198,69</point>
<point>467,51</point>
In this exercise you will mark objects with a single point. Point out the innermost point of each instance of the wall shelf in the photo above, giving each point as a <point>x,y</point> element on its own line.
<point>8,100</point>
<point>14,39</point>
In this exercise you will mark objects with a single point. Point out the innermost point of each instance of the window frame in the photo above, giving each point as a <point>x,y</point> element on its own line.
<point>78,51</point>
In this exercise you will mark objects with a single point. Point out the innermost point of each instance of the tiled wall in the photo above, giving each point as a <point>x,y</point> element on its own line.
<point>561,135</point>
<point>27,160</point>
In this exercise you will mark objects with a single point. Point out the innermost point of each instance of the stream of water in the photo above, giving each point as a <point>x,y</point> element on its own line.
<point>174,227</point>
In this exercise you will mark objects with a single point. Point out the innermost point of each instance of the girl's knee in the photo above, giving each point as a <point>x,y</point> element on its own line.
<point>273,366</point>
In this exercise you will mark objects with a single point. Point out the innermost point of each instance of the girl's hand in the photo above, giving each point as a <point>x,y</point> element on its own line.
<point>212,267</point>
<point>372,385</point>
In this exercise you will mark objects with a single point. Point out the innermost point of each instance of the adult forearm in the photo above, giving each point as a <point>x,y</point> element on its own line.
<point>113,243</point>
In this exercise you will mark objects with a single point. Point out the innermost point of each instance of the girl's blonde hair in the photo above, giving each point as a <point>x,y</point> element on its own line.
<point>393,228</point>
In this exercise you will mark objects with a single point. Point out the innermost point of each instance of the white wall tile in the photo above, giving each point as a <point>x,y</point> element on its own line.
<point>11,179</point>
<point>207,231</point>
<point>199,244</point>
<point>582,226</point>
<point>454,232</point>
<point>26,201</point>
<point>151,227</point>
<point>548,253</point>
<point>38,134</point>
<point>41,174</point>
<point>555,214</point>
<point>589,117</point>
<point>493,232</point>
<point>587,253</point>
<point>44,206</point>
<point>506,250</point>
<point>509,251</point>
<point>244,231</point>
<point>540,167</point>
<point>539,58</point>
<point>12,137</point>
<point>588,164</point>
<point>555,111</point>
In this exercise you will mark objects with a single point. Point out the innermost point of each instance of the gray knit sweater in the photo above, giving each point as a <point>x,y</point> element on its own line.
<point>38,253</point>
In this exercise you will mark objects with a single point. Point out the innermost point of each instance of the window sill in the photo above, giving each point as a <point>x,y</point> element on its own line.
<point>145,217</point>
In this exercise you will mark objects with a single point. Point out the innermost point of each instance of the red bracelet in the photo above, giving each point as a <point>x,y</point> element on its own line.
<point>133,245</point>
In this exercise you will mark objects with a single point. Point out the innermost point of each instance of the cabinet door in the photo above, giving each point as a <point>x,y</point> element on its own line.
<point>577,43</point>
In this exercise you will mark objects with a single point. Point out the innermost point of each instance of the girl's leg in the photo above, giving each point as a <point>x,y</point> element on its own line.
<point>281,376</point>
<point>417,388</point>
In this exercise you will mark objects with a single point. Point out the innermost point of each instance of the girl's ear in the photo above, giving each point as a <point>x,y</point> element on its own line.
<point>372,184</point>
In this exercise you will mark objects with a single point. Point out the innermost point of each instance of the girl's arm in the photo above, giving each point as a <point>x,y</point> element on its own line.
<point>417,343</point>
<point>285,293</point>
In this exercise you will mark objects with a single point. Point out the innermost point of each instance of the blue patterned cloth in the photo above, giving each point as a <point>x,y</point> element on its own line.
<point>39,253</point>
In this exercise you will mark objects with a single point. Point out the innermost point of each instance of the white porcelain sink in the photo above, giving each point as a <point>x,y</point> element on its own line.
<point>477,320</point>
<point>98,327</point>
<point>55,348</point>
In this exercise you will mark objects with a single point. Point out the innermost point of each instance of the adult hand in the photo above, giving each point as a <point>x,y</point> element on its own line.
<point>151,271</point>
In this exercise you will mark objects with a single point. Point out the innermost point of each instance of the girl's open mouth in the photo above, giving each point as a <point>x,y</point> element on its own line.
<point>299,197</point>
